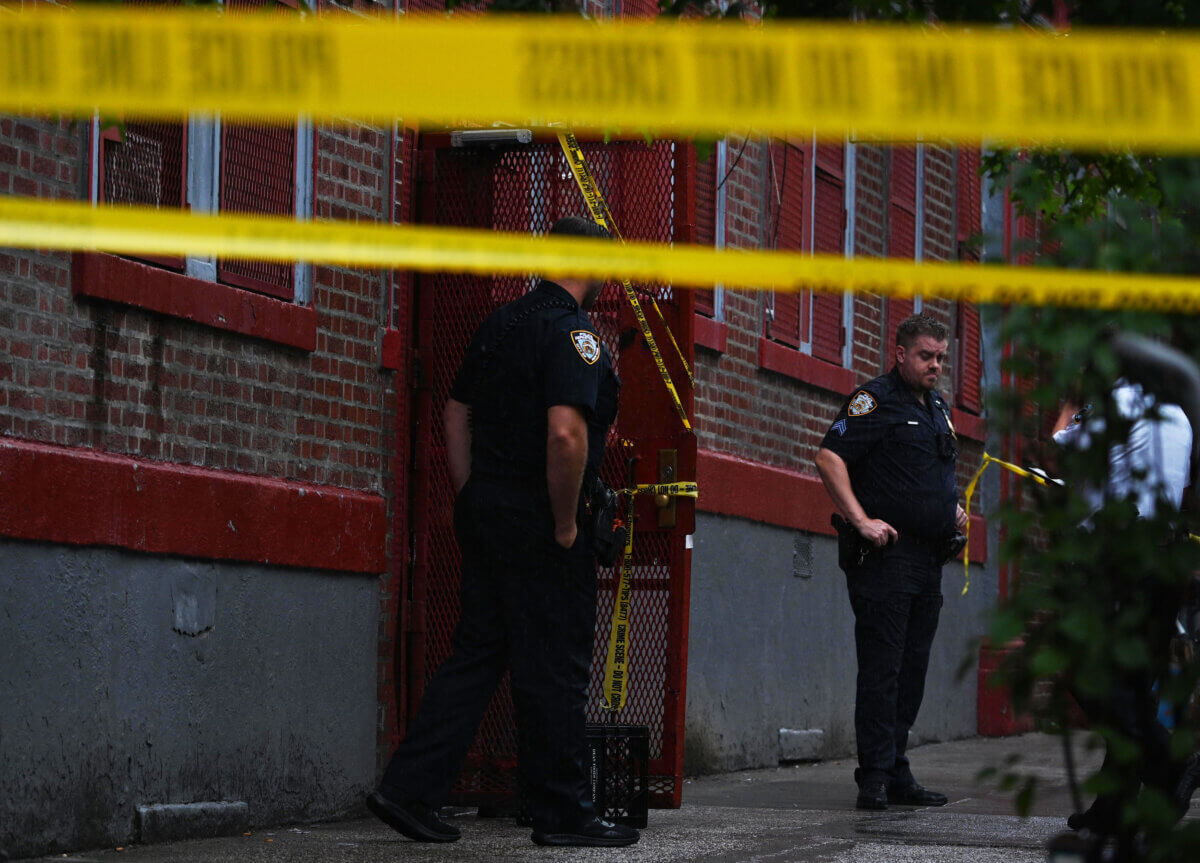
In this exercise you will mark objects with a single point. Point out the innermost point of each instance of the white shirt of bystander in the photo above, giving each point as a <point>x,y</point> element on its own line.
<point>1152,463</point>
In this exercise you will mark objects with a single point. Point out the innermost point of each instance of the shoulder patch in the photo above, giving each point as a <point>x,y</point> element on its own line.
<point>587,345</point>
<point>862,403</point>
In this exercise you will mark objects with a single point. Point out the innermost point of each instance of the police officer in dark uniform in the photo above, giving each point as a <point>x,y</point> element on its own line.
<point>527,416</point>
<point>888,463</point>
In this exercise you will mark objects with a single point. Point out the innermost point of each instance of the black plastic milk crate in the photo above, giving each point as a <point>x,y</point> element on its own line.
<point>620,772</point>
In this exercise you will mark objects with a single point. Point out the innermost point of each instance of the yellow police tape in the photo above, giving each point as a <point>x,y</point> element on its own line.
<point>1019,471</point>
<point>28,223</point>
<point>987,460</point>
<point>616,675</point>
<point>598,207</point>
<point>604,217</point>
<point>1096,89</point>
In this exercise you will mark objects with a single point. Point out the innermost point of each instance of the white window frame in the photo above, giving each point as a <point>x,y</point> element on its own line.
<point>719,212</point>
<point>850,171</point>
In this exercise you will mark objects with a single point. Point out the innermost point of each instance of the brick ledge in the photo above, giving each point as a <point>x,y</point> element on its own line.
<point>120,280</point>
<point>85,497</point>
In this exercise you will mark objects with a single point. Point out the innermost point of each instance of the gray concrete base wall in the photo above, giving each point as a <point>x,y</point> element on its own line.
<point>131,680</point>
<point>771,650</point>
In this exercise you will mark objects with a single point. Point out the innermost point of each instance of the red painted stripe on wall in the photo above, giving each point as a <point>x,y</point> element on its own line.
<point>83,497</point>
<point>770,495</point>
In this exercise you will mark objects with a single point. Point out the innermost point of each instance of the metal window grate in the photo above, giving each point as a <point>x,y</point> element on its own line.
<point>258,175</point>
<point>145,164</point>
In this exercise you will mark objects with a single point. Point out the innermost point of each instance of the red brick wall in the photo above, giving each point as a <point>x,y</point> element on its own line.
<point>870,241</point>
<point>83,372</point>
<point>777,419</point>
<point>98,375</point>
<point>43,360</point>
<point>941,236</point>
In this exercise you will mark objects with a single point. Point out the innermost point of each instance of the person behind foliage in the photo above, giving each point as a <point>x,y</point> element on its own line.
<point>1148,465</point>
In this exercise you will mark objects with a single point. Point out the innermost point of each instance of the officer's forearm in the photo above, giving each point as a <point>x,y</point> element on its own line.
<point>457,420</point>
<point>837,482</point>
<point>566,456</point>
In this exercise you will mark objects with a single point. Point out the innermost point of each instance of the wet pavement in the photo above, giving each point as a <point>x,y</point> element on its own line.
<point>802,812</point>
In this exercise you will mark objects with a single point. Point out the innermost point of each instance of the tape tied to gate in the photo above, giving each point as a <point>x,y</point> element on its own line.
<point>616,670</point>
<point>72,225</point>
<point>601,215</point>
<point>886,82</point>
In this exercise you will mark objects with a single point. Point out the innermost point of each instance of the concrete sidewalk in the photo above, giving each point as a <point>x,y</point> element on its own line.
<point>797,813</point>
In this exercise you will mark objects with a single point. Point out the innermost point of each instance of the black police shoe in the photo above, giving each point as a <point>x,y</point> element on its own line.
<point>872,795</point>
<point>412,818</point>
<point>915,795</point>
<point>596,833</point>
<point>1103,815</point>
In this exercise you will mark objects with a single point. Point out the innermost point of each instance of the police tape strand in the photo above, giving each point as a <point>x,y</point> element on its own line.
<point>598,207</point>
<point>616,672</point>
<point>1019,471</point>
<point>604,217</point>
<point>889,82</point>
<point>31,223</point>
<point>970,493</point>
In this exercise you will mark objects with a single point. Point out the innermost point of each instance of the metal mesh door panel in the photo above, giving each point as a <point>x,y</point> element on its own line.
<point>524,191</point>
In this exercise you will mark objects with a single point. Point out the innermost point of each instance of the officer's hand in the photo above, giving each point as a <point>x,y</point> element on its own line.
<point>960,519</point>
<point>565,536</point>
<point>878,533</point>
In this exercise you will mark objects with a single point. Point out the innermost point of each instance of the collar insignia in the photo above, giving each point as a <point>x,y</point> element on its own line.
<point>587,345</point>
<point>862,403</point>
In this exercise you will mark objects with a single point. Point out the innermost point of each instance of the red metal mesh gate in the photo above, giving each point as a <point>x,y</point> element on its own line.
<point>524,190</point>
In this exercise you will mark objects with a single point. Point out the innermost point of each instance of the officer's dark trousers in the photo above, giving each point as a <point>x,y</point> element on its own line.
<point>897,598</point>
<point>530,606</point>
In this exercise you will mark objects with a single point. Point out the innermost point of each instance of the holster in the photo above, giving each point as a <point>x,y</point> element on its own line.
<point>600,516</point>
<point>950,548</point>
<point>852,548</point>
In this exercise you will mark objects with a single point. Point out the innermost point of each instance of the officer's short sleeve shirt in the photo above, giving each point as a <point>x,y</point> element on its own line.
<point>860,425</point>
<point>900,454</point>
<point>573,354</point>
<point>530,355</point>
